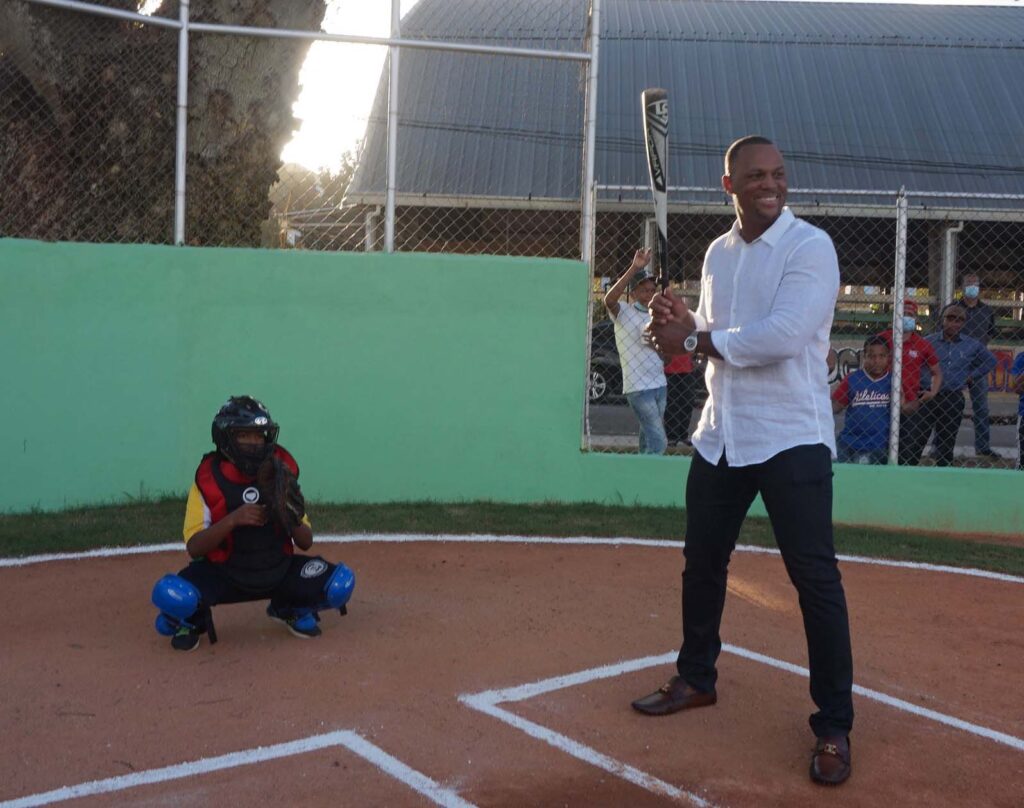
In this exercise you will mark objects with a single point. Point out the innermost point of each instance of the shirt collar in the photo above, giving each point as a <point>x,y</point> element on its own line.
<point>770,236</point>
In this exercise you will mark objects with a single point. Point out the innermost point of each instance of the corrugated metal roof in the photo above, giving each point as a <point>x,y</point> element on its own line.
<point>858,96</point>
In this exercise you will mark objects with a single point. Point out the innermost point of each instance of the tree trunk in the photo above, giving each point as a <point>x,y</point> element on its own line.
<point>87,116</point>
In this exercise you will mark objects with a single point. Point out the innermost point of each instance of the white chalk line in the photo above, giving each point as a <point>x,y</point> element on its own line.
<point>580,751</point>
<point>351,740</point>
<point>487,702</point>
<point>483,538</point>
<point>951,721</point>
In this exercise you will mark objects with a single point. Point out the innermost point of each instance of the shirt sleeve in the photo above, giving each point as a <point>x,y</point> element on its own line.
<point>700,314</point>
<point>197,514</point>
<point>931,358</point>
<point>805,299</point>
<point>842,392</point>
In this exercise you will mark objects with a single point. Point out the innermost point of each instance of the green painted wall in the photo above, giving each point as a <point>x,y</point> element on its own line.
<point>402,377</point>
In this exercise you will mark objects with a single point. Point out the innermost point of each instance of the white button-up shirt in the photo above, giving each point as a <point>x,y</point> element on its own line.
<point>769,307</point>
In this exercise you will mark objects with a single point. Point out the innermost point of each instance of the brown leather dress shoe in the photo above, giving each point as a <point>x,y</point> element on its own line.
<point>673,696</point>
<point>830,764</point>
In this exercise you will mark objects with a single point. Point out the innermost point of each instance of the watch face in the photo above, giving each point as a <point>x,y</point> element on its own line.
<point>690,343</point>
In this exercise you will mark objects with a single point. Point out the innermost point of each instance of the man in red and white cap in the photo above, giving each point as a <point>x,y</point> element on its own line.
<point>917,352</point>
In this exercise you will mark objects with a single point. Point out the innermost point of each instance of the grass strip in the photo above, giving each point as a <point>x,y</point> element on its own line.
<point>156,521</point>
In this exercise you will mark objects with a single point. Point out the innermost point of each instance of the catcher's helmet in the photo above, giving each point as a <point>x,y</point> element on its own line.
<point>238,413</point>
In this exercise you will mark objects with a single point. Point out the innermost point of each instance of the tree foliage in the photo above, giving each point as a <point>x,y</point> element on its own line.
<point>87,115</point>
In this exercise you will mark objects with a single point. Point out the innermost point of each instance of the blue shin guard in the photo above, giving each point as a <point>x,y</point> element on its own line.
<point>177,600</point>
<point>338,588</point>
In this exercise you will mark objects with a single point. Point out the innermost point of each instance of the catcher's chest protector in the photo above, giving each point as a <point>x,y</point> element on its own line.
<point>255,558</point>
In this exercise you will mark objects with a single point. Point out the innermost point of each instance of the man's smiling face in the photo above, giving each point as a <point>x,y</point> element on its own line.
<point>757,182</point>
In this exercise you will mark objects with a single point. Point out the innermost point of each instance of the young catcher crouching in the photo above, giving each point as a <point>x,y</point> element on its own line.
<point>244,518</point>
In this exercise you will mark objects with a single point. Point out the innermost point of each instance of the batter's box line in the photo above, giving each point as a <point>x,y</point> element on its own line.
<point>487,702</point>
<point>350,740</point>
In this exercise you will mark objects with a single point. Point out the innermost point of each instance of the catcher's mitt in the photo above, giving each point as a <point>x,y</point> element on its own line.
<point>280,493</point>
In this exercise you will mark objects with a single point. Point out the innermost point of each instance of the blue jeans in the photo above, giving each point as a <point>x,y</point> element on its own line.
<point>649,406</point>
<point>979,412</point>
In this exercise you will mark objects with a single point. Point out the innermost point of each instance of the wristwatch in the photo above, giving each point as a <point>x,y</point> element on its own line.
<point>690,343</point>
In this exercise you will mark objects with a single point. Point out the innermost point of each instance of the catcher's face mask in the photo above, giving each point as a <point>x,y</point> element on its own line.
<point>249,448</point>
<point>244,414</point>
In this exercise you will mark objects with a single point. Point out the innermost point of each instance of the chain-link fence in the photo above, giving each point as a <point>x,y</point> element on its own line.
<point>97,146</point>
<point>951,245</point>
<point>88,116</point>
<point>169,126</point>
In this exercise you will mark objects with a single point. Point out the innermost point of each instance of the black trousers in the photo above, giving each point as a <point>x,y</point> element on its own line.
<point>796,487</point>
<point>914,430</point>
<point>681,393</point>
<point>302,586</point>
<point>944,414</point>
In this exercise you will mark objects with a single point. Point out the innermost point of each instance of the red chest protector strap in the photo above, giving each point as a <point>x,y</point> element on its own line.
<point>216,502</point>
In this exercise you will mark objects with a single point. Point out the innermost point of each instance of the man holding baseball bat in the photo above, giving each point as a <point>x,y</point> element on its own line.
<point>768,292</point>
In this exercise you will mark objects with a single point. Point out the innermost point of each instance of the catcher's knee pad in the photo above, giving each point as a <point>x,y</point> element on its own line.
<point>339,586</point>
<point>176,599</point>
<point>166,625</point>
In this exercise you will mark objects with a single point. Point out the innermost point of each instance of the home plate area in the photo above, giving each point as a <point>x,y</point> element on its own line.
<point>499,671</point>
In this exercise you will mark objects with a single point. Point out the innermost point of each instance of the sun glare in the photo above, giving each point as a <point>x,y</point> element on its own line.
<point>339,82</point>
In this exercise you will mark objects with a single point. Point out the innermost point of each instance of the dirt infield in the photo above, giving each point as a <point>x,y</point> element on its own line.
<point>410,699</point>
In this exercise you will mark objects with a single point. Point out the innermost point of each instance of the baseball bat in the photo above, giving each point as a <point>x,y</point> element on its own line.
<point>654,102</point>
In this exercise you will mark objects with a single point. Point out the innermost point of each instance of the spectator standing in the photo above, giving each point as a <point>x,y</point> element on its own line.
<point>980,325</point>
<point>918,353</point>
<point>643,370</point>
<point>1017,386</point>
<point>865,395</point>
<point>961,358</point>
<point>768,293</point>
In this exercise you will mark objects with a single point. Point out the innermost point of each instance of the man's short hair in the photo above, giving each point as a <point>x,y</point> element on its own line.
<point>734,149</point>
<point>877,339</point>
<point>966,275</point>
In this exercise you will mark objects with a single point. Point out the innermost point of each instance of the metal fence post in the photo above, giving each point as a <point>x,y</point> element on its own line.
<point>590,138</point>
<point>950,243</point>
<point>389,201</point>
<point>899,287</point>
<point>181,126</point>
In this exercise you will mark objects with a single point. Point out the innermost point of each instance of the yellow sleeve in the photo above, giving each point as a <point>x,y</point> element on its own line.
<point>197,515</point>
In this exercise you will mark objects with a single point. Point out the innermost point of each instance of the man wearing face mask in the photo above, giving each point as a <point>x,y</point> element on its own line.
<point>917,352</point>
<point>980,325</point>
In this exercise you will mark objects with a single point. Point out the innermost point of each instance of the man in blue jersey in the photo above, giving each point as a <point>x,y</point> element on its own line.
<point>865,395</point>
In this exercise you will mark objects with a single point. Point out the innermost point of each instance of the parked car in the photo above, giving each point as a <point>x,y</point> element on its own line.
<point>605,384</point>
